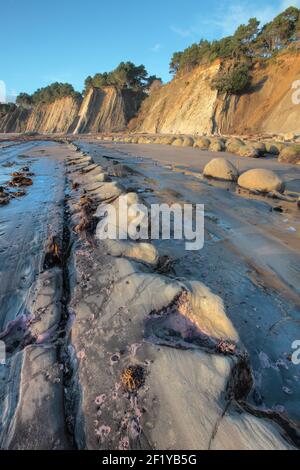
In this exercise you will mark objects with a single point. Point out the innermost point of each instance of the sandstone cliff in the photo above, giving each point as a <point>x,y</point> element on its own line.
<point>106,109</point>
<point>102,110</point>
<point>268,107</point>
<point>56,117</point>
<point>14,121</point>
<point>187,105</point>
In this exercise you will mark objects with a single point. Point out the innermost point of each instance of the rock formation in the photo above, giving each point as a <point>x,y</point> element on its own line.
<point>106,109</point>
<point>188,104</point>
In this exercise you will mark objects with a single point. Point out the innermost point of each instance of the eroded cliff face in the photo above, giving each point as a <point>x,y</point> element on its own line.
<point>187,105</point>
<point>15,121</point>
<point>57,117</point>
<point>106,109</point>
<point>102,110</point>
<point>269,106</point>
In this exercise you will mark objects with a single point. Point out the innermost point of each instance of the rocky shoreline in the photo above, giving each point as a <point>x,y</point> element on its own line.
<point>136,331</point>
<point>285,147</point>
<point>121,352</point>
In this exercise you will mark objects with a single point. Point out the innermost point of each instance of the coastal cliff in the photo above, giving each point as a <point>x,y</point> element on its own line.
<point>188,105</point>
<point>185,105</point>
<point>106,109</point>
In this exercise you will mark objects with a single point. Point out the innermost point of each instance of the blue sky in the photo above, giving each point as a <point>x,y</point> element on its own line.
<point>66,40</point>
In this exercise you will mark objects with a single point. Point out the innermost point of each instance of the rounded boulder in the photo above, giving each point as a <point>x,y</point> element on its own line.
<point>222,169</point>
<point>261,180</point>
<point>202,143</point>
<point>248,151</point>
<point>234,144</point>
<point>177,142</point>
<point>290,154</point>
<point>217,146</point>
<point>188,142</point>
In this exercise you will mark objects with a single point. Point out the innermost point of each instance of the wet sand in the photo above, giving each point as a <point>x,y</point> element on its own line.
<point>26,222</point>
<point>32,298</point>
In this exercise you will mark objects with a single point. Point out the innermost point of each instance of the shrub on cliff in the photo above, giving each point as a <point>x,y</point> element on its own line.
<point>233,81</point>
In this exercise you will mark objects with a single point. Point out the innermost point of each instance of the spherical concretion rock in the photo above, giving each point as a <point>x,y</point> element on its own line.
<point>290,154</point>
<point>144,140</point>
<point>217,145</point>
<point>272,148</point>
<point>165,140</point>
<point>188,142</point>
<point>221,168</point>
<point>177,142</point>
<point>260,146</point>
<point>248,151</point>
<point>261,180</point>
<point>234,144</point>
<point>202,143</point>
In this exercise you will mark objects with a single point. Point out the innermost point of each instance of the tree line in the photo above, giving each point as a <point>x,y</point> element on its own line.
<point>249,41</point>
<point>47,94</point>
<point>238,52</point>
<point>125,75</point>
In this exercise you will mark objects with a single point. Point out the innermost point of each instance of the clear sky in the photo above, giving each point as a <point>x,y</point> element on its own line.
<point>65,40</point>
